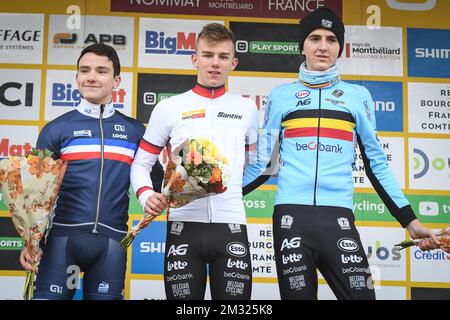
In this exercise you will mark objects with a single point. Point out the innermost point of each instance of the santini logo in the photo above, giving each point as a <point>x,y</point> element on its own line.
<point>229,115</point>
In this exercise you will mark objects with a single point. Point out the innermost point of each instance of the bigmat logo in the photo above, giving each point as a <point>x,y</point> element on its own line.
<point>65,45</point>
<point>62,94</point>
<point>165,43</point>
<point>388,101</point>
<point>152,88</point>
<point>148,249</point>
<point>428,53</point>
<point>266,46</point>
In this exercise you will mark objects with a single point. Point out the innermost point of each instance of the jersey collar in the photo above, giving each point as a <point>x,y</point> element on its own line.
<point>93,110</point>
<point>318,79</point>
<point>209,92</point>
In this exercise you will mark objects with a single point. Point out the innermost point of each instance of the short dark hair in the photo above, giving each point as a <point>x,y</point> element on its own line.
<point>216,32</point>
<point>102,49</point>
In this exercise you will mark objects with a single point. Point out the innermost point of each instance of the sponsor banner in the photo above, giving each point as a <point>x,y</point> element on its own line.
<point>258,91</point>
<point>259,203</point>
<point>375,52</point>
<point>260,238</point>
<point>432,209</point>
<point>147,290</point>
<point>21,38</point>
<point>430,266</point>
<point>234,8</point>
<point>430,293</point>
<point>394,149</point>
<point>369,207</point>
<point>20,91</point>
<point>429,164</point>
<point>428,53</point>
<point>386,261</point>
<point>147,254</point>
<point>11,288</point>
<point>168,43</point>
<point>152,88</point>
<point>10,245</point>
<point>388,100</point>
<point>266,47</point>
<point>428,107</point>
<point>17,140</point>
<point>62,94</point>
<point>67,37</point>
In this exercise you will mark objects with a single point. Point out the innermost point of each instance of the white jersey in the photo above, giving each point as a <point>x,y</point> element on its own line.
<point>229,121</point>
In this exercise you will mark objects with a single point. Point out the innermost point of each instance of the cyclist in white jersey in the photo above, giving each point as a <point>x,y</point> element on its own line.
<point>207,236</point>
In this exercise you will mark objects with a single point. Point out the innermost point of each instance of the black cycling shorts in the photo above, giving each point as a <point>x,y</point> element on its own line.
<point>195,250</point>
<point>307,238</point>
<point>102,260</point>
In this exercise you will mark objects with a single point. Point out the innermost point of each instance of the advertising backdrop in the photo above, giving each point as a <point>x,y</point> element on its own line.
<point>399,50</point>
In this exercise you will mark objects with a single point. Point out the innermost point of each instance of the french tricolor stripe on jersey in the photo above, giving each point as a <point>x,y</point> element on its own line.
<point>150,148</point>
<point>83,149</point>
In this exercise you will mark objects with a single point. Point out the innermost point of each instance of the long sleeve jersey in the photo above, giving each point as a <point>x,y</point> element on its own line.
<point>99,144</point>
<point>229,121</point>
<point>314,125</point>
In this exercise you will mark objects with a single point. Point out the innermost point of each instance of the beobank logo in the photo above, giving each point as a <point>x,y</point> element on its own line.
<point>312,146</point>
<point>65,95</point>
<point>180,43</point>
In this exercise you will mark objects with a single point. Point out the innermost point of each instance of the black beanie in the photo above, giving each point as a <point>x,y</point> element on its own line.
<point>322,18</point>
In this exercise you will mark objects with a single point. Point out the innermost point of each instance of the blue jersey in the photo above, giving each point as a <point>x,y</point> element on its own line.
<point>314,124</point>
<point>99,146</point>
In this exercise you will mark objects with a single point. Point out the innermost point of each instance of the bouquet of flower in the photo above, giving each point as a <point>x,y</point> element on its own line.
<point>443,235</point>
<point>195,170</point>
<point>30,188</point>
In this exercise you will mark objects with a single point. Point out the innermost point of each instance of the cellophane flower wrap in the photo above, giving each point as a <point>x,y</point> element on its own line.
<point>443,236</point>
<point>30,187</point>
<point>196,169</point>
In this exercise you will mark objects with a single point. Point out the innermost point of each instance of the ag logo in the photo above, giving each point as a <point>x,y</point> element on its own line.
<point>347,245</point>
<point>292,243</point>
<point>236,249</point>
<point>178,251</point>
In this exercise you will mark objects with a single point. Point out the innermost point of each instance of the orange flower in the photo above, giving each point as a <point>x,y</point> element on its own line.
<point>39,166</point>
<point>2,176</point>
<point>15,183</point>
<point>216,175</point>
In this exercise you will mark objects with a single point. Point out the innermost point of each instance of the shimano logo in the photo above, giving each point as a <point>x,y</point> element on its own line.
<point>433,53</point>
<point>229,115</point>
<point>347,245</point>
<point>236,249</point>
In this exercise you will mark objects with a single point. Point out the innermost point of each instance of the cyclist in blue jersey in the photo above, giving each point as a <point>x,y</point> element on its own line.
<point>91,213</point>
<point>314,124</point>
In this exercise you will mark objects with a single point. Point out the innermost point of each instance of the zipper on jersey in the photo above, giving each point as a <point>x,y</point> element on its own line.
<point>102,160</point>
<point>209,211</point>
<point>317,146</point>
